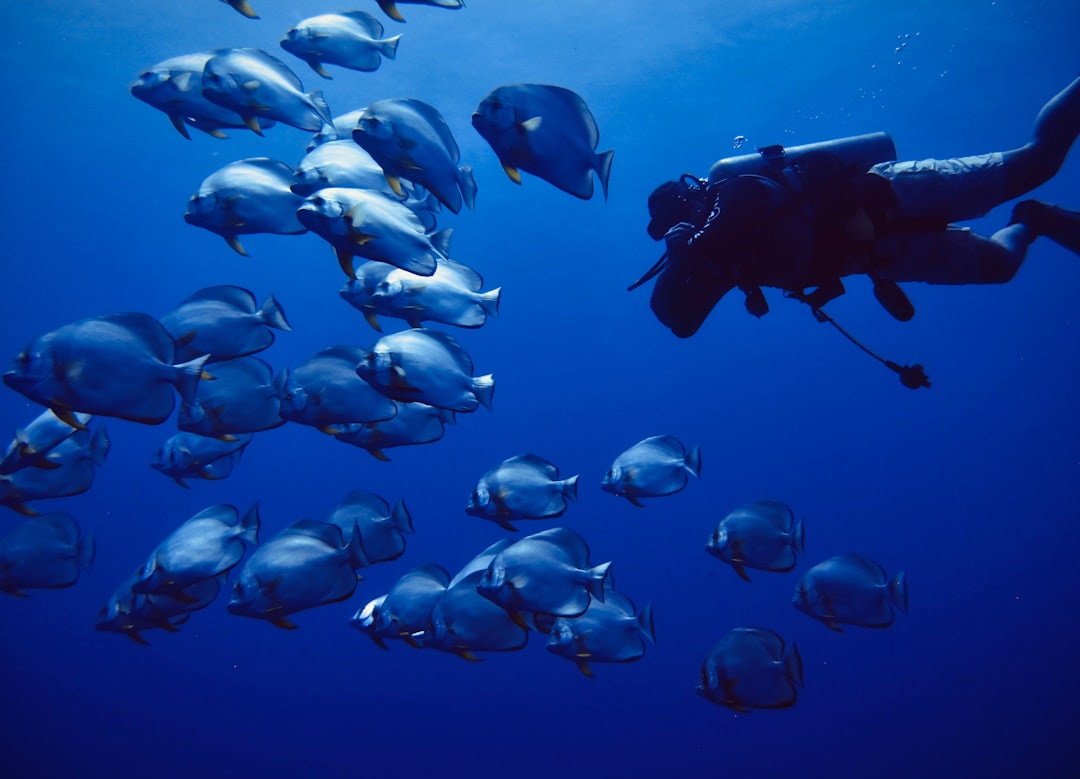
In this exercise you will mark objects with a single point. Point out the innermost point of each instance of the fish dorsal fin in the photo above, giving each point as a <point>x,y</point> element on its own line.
<point>323,531</point>
<point>567,540</point>
<point>436,573</point>
<point>550,470</point>
<point>865,564</point>
<point>274,64</point>
<point>776,512</point>
<point>667,444</point>
<point>341,353</point>
<point>461,274</point>
<point>371,25</point>
<point>456,350</point>
<point>365,503</point>
<point>235,297</point>
<point>145,329</point>
<point>431,116</point>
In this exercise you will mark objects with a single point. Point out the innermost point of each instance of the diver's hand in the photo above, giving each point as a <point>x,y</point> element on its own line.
<point>679,235</point>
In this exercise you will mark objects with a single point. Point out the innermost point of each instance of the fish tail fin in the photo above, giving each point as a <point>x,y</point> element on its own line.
<point>187,377</point>
<point>798,536</point>
<point>248,529</point>
<point>596,578</point>
<point>441,240</point>
<point>898,591</point>
<point>489,301</point>
<point>484,389</point>
<point>318,102</point>
<point>692,463</point>
<point>645,623</point>
<point>388,47</point>
<point>400,517</point>
<point>603,168</point>
<point>468,186</point>
<point>569,486</point>
<point>273,315</point>
<point>793,665</point>
<point>85,551</point>
<point>99,446</point>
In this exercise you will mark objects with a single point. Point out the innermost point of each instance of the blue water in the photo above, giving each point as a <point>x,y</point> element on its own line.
<point>972,486</point>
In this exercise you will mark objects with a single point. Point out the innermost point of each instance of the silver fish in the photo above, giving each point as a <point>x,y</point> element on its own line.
<point>521,487</point>
<point>242,398</point>
<point>246,197</point>
<point>389,7</point>
<point>414,423</point>
<point>411,140</point>
<point>427,366</point>
<point>46,552</point>
<point>851,589</point>
<point>608,632</point>
<point>655,466</point>
<point>174,86</point>
<point>75,458</point>
<point>258,85</point>
<point>340,127</point>
<point>765,535</point>
<point>352,39</point>
<point>369,224</point>
<point>547,572</point>
<point>339,164</point>
<point>34,445</point>
<point>450,296</point>
<point>379,526</point>
<point>118,365</point>
<point>547,131</point>
<point>751,668</point>
<point>307,564</point>
<point>208,544</point>
<point>406,608</point>
<point>193,456</point>
<point>224,322</point>
<point>325,390</point>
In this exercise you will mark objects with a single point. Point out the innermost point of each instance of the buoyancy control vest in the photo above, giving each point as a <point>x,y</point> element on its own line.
<point>848,206</point>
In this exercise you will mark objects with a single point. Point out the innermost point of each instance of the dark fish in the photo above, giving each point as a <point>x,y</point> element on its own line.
<point>45,552</point>
<point>547,572</point>
<point>208,544</point>
<point>193,456</point>
<point>224,322</point>
<point>307,564</point>
<point>414,423</point>
<point>379,526</point>
<point>608,632</point>
<point>547,131</point>
<point>851,589</point>
<point>128,613</point>
<point>655,466</point>
<point>765,535</point>
<point>389,7</point>
<point>242,398</point>
<point>75,459</point>
<point>325,390</point>
<point>246,197</point>
<point>34,445</point>
<point>406,608</point>
<point>352,39</point>
<point>411,140</point>
<point>258,85</point>
<point>426,366</point>
<point>521,487</point>
<point>751,668</point>
<point>119,365</point>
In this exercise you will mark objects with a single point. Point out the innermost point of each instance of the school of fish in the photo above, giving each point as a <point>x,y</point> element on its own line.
<point>371,183</point>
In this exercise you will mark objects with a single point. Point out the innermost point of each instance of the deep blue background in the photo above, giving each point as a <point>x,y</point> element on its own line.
<point>972,486</point>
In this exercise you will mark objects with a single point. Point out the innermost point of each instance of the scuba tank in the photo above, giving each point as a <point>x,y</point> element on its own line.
<point>858,152</point>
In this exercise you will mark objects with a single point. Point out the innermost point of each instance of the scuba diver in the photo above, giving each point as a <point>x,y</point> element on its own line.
<point>800,219</point>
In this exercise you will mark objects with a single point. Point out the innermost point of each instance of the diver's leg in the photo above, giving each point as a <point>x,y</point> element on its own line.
<point>1060,225</point>
<point>955,256</point>
<point>1056,127</point>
